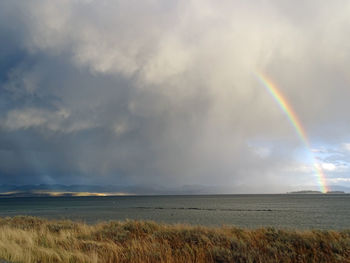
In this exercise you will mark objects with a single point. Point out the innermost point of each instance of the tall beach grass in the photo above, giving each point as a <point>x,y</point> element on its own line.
<point>30,239</point>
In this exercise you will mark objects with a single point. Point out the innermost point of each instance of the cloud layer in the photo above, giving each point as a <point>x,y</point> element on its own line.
<point>164,93</point>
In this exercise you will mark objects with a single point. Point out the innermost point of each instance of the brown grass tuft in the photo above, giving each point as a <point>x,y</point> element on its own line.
<point>30,239</point>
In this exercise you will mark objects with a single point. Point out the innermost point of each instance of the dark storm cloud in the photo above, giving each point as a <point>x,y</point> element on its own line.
<point>158,93</point>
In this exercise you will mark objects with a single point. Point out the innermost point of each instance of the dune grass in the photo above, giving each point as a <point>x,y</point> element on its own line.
<point>30,239</point>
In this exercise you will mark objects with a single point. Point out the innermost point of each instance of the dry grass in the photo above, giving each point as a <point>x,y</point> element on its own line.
<point>30,239</point>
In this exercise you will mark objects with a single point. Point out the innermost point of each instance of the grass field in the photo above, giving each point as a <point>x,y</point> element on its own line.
<point>30,239</point>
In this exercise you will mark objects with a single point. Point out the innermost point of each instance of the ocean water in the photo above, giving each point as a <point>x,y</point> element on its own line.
<point>251,211</point>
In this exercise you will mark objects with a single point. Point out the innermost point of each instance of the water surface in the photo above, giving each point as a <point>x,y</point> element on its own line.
<point>282,211</point>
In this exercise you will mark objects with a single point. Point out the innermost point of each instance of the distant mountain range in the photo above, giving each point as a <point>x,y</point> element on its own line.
<point>43,190</point>
<point>111,189</point>
<point>78,190</point>
<point>59,187</point>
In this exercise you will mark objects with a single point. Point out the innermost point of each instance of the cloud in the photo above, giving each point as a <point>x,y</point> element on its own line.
<point>346,146</point>
<point>118,92</point>
<point>328,166</point>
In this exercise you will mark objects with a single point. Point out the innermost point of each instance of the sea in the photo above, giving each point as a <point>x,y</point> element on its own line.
<point>287,211</point>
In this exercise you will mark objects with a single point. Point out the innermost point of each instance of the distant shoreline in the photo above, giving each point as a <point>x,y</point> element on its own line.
<point>25,194</point>
<point>58,194</point>
<point>316,192</point>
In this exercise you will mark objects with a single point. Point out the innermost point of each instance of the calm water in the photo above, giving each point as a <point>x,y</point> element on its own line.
<point>283,211</point>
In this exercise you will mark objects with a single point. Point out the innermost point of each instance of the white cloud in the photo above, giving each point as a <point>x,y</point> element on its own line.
<point>23,119</point>
<point>262,152</point>
<point>51,120</point>
<point>328,166</point>
<point>338,180</point>
<point>346,146</point>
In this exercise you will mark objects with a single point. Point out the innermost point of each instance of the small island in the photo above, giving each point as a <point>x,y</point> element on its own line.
<point>315,192</point>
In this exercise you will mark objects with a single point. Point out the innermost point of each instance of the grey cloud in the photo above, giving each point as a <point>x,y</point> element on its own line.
<point>116,92</point>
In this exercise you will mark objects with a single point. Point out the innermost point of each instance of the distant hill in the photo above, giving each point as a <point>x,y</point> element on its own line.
<point>54,194</point>
<point>341,188</point>
<point>58,187</point>
<point>43,190</point>
<point>315,192</point>
<point>305,192</point>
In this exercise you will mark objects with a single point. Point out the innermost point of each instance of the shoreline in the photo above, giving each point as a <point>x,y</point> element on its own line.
<point>57,194</point>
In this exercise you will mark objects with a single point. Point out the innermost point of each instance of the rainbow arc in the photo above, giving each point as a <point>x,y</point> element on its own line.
<point>294,120</point>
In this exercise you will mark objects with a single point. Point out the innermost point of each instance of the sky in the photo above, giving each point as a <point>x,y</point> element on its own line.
<point>164,94</point>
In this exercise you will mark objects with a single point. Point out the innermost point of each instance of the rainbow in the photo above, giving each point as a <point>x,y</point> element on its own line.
<point>294,120</point>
